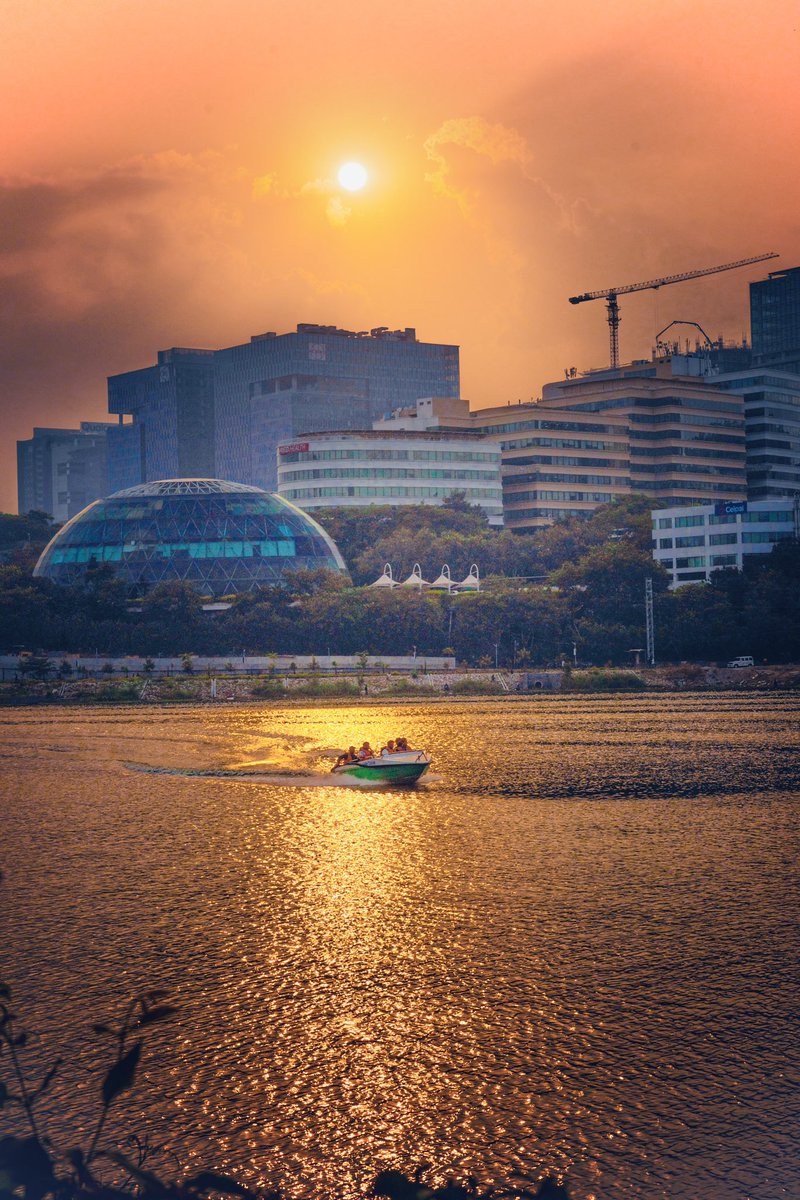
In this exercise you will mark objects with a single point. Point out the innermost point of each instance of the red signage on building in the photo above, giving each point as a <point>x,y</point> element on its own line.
<point>293,448</point>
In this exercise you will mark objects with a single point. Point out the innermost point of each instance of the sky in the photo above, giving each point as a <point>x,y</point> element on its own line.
<point>169,178</point>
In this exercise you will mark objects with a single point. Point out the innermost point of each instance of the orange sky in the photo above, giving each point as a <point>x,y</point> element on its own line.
<point>169,168</point>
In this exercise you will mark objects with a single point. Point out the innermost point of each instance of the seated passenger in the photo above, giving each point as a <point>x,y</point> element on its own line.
<point>402,744</point>
<point>387,749</point>
<point>365,751</point>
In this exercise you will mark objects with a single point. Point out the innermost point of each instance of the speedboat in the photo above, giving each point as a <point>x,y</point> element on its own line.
<point>406,766</point>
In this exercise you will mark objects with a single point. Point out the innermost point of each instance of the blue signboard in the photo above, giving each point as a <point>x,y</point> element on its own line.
<point>729,507</point>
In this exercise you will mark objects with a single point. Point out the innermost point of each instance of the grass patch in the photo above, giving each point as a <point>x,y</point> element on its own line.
<point>475,687</point>
<point>268,689</point>
<point>597,679</point>
<point>128,689</point>
<point>320,688</point>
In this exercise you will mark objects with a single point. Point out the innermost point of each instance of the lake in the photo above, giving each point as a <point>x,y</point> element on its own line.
<point>573,948</point>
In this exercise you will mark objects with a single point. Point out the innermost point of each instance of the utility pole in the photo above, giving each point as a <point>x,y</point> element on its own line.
<point>649,624</point>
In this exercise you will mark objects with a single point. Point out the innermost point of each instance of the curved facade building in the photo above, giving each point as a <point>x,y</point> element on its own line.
<point>383,466</point>
<point>223,538</point>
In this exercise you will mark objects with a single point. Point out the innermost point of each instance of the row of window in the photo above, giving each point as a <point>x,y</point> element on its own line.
<point>763,517</point>
<point>547,494</point>
<point>557,477</point>
<point>717,560</point>
<point>391,455</point>
<point>479,495</point>
<point>563,444</point>
<point>383,473</point>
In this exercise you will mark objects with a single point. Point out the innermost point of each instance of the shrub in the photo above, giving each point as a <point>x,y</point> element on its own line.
<point>476,687</point>
<point>405,687</point>
<point>124,690</point>
<point>268,689</point>
<point>602,679</point>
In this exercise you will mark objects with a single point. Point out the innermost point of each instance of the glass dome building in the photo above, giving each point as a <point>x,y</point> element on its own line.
<point>223,538</point>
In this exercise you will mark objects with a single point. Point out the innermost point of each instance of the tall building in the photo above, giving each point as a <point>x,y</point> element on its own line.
<point>276,387</point>
<point>201,412</point>
<point>60,471</point>
<point>171,431</point>
<point>604,435</point>
<point>775,320</point>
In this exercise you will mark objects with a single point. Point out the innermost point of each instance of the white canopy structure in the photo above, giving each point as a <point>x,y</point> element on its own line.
<point>415,579</point>
<point>386,580</point>
<point>444,583</point>
<point>472,583</point>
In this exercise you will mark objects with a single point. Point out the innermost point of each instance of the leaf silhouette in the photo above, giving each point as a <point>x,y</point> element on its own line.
<point>160,1013</point>
<point>122,1074</point>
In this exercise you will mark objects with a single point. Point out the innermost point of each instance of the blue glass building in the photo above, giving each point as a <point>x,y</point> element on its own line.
<point>171,434</point>
<point>223,538</point>
<point>224,412</point>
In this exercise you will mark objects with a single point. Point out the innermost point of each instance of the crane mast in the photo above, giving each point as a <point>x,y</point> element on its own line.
<point>610,295</point>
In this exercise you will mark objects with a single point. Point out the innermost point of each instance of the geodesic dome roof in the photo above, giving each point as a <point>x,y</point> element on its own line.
<point>223,538</point>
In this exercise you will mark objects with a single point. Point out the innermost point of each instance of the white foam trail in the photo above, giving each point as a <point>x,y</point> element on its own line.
<point>296,779</point>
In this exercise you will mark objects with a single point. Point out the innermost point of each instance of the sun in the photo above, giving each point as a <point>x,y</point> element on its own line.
<point>352,176</point>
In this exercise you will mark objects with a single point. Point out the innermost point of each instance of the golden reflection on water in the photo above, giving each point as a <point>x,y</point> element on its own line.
<point>566,951</point>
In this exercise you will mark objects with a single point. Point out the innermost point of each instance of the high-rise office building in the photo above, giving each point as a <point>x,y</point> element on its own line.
<point>223,413</point>
<point>775,320</point>
<point>171,432</point>
<point>60,471</point>
<point>276,387</point>
<point>601,436</point>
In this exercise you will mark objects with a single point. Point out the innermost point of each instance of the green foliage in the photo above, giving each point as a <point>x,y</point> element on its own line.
<point>268,689</point>
<point>593,598</point>
<point>129,689</point>
<point>599,680</point>
<point>476,686</point>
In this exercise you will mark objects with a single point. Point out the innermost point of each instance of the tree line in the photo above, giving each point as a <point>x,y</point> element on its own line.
<point>571,592</point>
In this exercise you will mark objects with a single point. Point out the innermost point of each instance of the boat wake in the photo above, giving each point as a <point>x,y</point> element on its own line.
<point>285,778</point>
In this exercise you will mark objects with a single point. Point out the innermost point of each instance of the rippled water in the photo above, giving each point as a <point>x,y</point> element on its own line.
<point>573,949</point>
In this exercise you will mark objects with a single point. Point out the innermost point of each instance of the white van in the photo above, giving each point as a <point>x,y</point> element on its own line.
<point>744,660</point>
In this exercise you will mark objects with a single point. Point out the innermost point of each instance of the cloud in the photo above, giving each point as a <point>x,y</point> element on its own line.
<point>497,143</point>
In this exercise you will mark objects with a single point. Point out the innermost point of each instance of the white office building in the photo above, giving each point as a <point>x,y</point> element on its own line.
<point>380,466</point>
<point>692,542</point>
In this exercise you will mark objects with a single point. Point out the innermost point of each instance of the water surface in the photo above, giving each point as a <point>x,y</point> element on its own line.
<point>573,949</point>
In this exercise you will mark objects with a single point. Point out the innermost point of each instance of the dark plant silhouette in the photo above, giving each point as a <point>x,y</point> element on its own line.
<point>33,1168</point>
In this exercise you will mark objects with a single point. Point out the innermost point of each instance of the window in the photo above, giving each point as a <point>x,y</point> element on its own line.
<point>665,543</point>
<point>723,560</point>
<point>697,561</point>
<point>685,522</point>
<point>693,540</point>
<point>665,522</point>
<point>722,539</point>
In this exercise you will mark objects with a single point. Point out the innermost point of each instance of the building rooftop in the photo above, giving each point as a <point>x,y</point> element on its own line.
<point>186,487</point>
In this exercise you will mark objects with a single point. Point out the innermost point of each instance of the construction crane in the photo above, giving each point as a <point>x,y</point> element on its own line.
<point>612,306</point>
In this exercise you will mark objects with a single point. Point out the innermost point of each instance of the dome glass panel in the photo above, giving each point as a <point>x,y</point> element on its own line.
<point>223,538</point>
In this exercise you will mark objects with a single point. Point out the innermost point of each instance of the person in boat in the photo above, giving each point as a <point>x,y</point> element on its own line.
<point>366,751</point>
<point>401,745</point>
<point>387,749</point>
<point>348,756</point>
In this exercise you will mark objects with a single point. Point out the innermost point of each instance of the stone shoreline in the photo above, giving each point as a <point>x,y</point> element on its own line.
<point>395,687</point>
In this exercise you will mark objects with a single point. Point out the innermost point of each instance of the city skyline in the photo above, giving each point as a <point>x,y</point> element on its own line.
<point>186,192</point>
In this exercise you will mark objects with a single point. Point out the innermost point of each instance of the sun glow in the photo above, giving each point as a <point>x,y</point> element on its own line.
<point>352,176</point>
